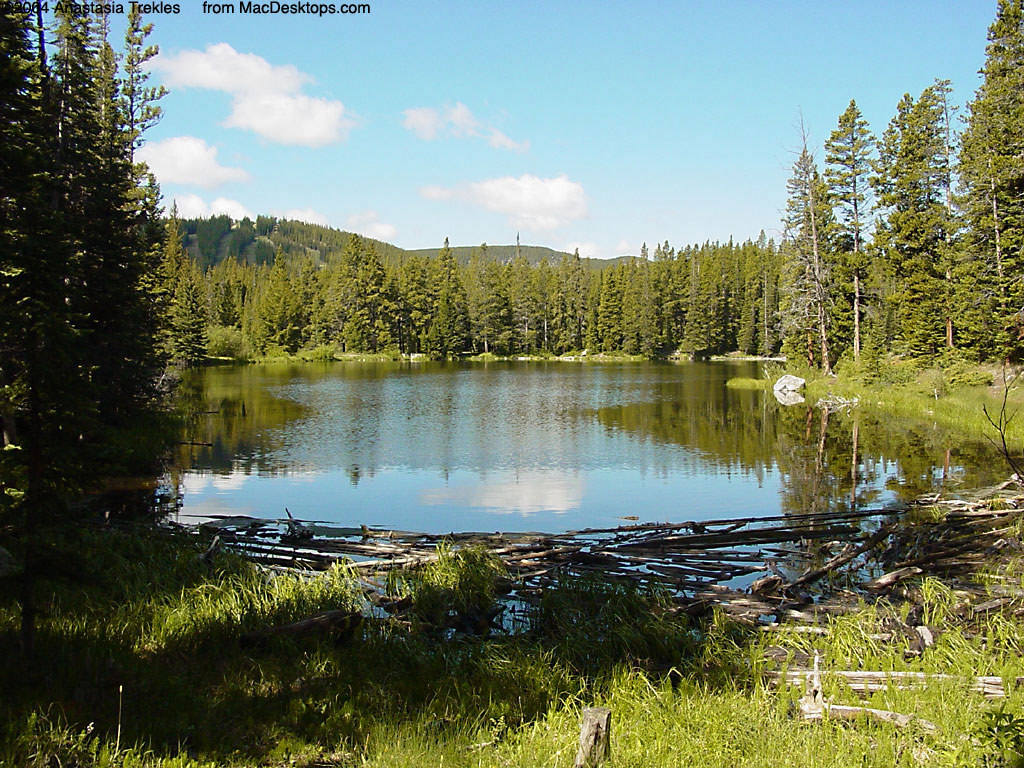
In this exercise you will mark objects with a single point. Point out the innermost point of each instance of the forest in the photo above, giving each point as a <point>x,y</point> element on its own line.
<point>906,242</point>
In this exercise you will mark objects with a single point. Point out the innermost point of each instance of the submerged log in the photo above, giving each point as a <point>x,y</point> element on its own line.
<point>842,559</point>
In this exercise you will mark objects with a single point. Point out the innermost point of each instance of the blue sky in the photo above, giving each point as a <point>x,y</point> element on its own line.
<point>598,124</point>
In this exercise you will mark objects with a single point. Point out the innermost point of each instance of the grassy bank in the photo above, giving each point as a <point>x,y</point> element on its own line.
<point>952,394</point>
<point>149,618</point>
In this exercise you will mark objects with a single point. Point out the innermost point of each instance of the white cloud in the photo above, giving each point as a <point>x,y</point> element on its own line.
<point>530,202</point>
<point>291,119</point>
<point>191,206</point>
<point>307,215</point>
<point>500,141</point>
<point>266,98</point>
<point>459,121</point>
<point>433,192</point>
<point>195,207</point>
<point>587,250</point>
<point>369,224</point>
<point>232,208</point>
<point>221,68</point>
<point>424,122</point>
<point>187,160</point>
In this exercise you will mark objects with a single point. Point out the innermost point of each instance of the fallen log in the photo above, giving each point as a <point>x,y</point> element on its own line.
<point>813,706</point>
<point>887,580</point>
<point>341,623</point>
<point>866,681</point>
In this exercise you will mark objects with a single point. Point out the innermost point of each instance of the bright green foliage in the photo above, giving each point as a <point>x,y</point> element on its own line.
<point>993,187</point>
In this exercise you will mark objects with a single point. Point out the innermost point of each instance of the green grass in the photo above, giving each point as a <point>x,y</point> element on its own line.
<point>147,614</point>
<point>951,393</point>
<point>741,382</point>
<point>959,409</point>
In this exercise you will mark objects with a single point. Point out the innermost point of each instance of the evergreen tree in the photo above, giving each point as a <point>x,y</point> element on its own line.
<point>188,320</point>
<point>448,333</point>
<point>609,311</point>
<point>910,182</point>
<point>77,329</point>
<point>278,315</point>
<point>848,155</point>
<point>810,280</point>
<point>992,199</point>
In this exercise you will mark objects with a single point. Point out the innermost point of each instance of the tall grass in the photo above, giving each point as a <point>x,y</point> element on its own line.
<point>151,616</point>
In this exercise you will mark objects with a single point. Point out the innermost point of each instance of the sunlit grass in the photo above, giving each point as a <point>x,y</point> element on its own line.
<point>740,382</point>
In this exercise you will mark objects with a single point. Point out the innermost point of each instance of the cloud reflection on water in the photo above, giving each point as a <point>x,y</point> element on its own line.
<point>528,493</point>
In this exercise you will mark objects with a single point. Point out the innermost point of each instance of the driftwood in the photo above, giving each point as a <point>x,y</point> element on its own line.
<point>865,682</point>
<point>887,580</point>
<point>340,623</point>
<point>747,566</point>
<point>595,737</point>
<point>813,706</point>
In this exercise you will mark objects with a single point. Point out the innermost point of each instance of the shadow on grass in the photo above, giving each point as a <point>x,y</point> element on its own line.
<point>150,642</point>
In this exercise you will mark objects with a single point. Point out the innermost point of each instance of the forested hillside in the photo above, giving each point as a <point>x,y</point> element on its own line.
<point>703,299</point>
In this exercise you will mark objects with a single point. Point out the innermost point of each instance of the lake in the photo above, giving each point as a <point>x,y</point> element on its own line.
<point>516,446</point>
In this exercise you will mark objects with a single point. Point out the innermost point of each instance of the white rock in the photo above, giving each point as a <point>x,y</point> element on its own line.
<point>789,383</point>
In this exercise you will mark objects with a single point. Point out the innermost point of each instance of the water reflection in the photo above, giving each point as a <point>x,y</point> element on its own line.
<point>525,495</point>
<point>447,446</point>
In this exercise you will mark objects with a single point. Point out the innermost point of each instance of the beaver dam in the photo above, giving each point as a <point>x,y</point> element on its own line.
<point>758,570</point>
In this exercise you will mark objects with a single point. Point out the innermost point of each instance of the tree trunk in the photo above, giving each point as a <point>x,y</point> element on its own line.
<point>856,317</point>
<point>595,737</point>
<point>819,283</point>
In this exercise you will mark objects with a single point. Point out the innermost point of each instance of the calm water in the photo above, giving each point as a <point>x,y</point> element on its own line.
<point>531,446</point>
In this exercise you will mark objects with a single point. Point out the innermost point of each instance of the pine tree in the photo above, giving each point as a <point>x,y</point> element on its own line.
<point>609,310</point>
<point>278,314</point>
<point>810,281</point>
<point>76,325</point>
<point>910,183</point>
<point>448,334</point>
<point>992,146</point>
<point>848,155</point>
<point>188,321</point>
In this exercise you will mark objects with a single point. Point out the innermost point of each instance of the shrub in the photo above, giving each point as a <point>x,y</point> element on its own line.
<point>321,354</point>
<point>226,341</point>
<point>964,374</point>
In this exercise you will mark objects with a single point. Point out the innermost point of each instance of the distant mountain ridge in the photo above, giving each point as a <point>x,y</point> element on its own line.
<point>210,241</point>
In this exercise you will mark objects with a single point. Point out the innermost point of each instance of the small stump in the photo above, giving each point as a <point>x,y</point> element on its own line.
<point>595,737</point>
